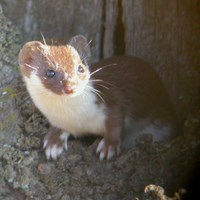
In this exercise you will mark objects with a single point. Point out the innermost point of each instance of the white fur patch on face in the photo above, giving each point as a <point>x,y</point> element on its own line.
<point>77,115</point>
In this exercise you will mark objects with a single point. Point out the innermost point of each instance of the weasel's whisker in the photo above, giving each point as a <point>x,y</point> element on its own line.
<point>97,92</point>
<point>99,96</point>
<point>88,43</point>
<point>97,70</point>
<point>96,82</point>
<point>103,86</point>
<point>56,65</point>
<point>53,64</point>
<point>84,58</point>
<point>31,67</point>
<point>43,39</point>
<point>48,51</point>
<point>102,81</point>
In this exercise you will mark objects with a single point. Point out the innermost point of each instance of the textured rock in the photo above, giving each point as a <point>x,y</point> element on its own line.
<point>9,47</point>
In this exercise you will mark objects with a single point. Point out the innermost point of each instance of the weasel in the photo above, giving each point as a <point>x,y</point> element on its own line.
<point>110,98</point>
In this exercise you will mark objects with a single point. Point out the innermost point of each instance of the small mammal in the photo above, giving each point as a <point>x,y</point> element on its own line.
<point>116,95</point>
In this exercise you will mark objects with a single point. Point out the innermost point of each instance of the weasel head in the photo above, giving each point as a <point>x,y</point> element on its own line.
<point>60,70</point>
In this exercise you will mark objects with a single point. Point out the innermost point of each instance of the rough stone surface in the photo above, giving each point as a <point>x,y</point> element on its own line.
<point>9,47</point>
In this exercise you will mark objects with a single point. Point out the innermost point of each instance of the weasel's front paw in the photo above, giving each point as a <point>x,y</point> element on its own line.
<point>54,144</point>
<point>107,151</point>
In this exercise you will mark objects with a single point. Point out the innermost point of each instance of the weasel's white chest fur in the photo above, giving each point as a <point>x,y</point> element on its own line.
<point>77,115</point>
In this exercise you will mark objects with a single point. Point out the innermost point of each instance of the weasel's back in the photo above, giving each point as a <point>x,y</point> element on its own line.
<point>136,86</point>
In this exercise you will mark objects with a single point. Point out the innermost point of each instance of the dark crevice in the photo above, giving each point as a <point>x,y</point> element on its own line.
<point>119,33</point>
<point>102,36</point>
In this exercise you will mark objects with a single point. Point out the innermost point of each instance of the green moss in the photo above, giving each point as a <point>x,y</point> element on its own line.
<point>9,92</point>
<point>7,123</point>
<point>11,117</point>
<point>2,125</point>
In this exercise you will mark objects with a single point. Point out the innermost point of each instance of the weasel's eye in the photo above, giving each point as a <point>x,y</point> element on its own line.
<point>50,73</point>
<point>80,69</point>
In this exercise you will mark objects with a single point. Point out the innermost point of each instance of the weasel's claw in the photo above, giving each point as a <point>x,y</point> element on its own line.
<point>53,148</point>
<point>53,152</point>
<point>106,151</point>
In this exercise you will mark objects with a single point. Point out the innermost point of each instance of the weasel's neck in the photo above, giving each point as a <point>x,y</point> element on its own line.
<point>77,115</point>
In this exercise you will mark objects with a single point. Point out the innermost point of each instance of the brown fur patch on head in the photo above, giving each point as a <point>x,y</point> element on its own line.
<point>64,58</point>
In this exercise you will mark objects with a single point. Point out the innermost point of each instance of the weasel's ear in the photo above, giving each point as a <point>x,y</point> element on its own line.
<point>79,42</point>
<point>27,55</point>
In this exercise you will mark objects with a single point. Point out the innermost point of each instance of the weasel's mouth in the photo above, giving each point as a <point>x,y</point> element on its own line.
<point>69,90</point>
<point>72,90</point>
